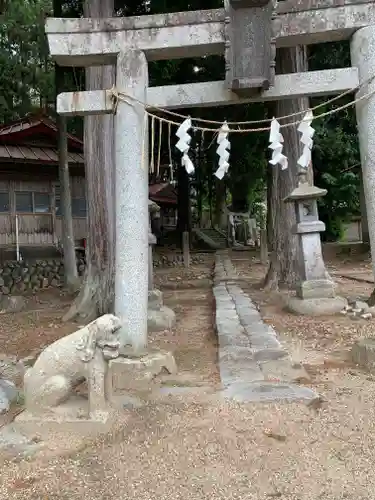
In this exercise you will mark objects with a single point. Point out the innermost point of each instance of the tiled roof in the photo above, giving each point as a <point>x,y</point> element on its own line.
<point>163,192</point>
<point>28,123</point>
<point>35,154</point>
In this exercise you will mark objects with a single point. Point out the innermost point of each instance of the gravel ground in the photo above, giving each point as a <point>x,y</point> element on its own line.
<point>212,449</point>
<point>221,451</point>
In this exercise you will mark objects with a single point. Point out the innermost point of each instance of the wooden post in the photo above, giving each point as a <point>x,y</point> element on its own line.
<point>263,246</point>
<point>53,215</point>
<point>70,264</point>
<point>186,248</point>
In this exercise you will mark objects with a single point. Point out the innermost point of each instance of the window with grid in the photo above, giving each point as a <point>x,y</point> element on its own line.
<point>4,203</point>
<point>33,203</point>
<point>78,205</point>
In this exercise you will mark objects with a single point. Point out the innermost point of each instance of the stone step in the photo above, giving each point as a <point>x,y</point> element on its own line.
<point>212,237</point>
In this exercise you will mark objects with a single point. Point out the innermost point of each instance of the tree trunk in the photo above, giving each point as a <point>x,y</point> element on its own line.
<point>97,294</point>
<point>281,217</point>
<point>220,204</point>
<point>70,264</point>
<point>183,201</point>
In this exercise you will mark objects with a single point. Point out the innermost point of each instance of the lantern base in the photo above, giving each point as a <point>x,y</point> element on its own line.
<point>316,289</point>
<point>316,307</point>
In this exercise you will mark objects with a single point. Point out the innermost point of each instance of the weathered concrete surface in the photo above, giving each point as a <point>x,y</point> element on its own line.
<point>287,86</point>
<point>315,307</point>
<point>306,27</point>
<point>155,299</point>
<point>131,195</point>
<point>99,41</point>
<point>70,417</point>
<point>224,269</point>
<point>12,303</point>
<point>363,353</point>
<point>288,6</point>
<point>8,394</point>
<point>363,56</point>
<point>169,36</point>
<point>14,445</point>
<point>253,364</point>
<point>136,374</point>
<point>313,83</point>
<point>269,391</point>
<point>159,317</point>
<point>316,288</point>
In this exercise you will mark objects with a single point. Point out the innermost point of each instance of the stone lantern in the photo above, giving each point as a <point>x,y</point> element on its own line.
<point>315,293</point>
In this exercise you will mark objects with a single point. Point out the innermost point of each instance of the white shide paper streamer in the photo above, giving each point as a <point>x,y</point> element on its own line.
<point>184,144</point>
<point>276,139</point>
<point>223,151</point>
<point>307,132</point>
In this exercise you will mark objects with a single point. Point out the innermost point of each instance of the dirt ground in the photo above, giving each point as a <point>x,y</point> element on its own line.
<point>213,449</point>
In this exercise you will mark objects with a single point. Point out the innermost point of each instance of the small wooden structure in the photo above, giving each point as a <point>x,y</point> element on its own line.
<point>30,211</point>
<point>165,195</point>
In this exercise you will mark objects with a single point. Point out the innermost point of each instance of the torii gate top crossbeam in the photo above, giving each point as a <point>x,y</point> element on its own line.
<point>84,42</point>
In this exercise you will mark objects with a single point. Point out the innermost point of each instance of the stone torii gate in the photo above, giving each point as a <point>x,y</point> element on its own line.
<point>247,33</point>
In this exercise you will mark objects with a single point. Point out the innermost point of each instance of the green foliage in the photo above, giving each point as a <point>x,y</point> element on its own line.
<point>336,152</point>
<point>336,163</point>
<point>26,78</point>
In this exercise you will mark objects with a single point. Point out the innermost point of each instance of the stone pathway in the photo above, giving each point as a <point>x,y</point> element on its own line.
<point>253,364</point>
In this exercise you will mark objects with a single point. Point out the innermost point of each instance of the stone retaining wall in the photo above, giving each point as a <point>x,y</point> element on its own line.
<point>19,277</point>
<point>174,260</point>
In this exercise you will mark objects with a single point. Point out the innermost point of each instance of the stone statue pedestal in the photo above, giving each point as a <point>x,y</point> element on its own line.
<point>315,307</point>
<point>315,293</point>
<point>135,374</point>
<point>70,417</point>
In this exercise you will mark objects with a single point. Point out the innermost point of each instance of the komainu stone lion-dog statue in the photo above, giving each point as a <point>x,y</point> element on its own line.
<point>66,363</point>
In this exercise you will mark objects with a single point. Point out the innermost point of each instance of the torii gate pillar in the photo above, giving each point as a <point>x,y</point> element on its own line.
<point>363,57</point>
<point>131,276</point>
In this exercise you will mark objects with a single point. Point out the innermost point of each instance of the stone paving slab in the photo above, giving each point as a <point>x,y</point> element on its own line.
<point>234,374</point>
<point>264,391</point>
<point>254,366</point>
<point>282,369</point>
